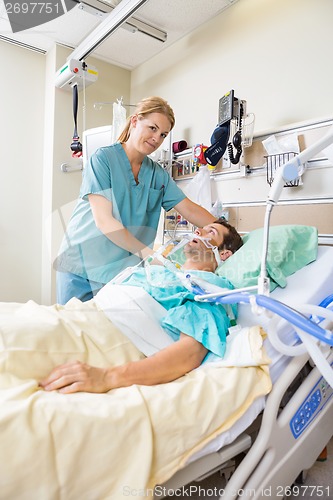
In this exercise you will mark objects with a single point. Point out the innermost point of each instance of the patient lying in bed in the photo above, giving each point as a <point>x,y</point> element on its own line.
<point>86,445</point>
<point>108,445</point>
<point>197,327</point>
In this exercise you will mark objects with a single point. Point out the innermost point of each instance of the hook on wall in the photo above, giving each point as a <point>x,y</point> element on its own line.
<point>66,168</point>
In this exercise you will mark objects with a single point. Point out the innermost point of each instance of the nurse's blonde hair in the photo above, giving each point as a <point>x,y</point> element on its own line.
<point>145,107</point>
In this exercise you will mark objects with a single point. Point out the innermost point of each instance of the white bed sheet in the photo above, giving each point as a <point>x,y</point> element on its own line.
<point>309,285</point>
<point>136,314</point>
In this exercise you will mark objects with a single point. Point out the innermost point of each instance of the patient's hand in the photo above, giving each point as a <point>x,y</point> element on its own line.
<point>166,365</point>
<point>76,377</point>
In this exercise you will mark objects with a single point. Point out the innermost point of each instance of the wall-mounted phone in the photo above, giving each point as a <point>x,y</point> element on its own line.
<point>233,109</point>
<point>228,133</point>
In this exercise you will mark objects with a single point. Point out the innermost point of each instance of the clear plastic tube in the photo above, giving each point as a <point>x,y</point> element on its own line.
<point>294,317</point>
<point>310,333</point>
<point>317,356</point>
<point>278,344</point>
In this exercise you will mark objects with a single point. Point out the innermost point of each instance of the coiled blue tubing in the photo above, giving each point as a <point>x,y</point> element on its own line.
<point>294,317</point>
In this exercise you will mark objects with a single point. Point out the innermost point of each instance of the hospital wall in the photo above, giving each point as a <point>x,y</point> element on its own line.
<point>21,158</point>
<point>36,130</point>
<point>275,55</point>
<point>61,190</point>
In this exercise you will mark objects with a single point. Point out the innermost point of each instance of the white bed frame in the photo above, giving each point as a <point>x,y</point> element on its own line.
<point>275,457</point>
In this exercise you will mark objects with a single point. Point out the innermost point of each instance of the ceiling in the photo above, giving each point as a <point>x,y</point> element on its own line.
<point>128,50</point>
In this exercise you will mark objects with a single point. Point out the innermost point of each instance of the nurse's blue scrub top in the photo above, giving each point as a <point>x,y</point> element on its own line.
<point>85,250</point>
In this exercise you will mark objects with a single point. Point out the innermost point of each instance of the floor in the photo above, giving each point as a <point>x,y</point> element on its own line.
<point>318,483</point>
<point>318,480</point>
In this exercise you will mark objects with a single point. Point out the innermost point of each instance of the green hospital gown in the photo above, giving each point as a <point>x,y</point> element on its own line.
<point>207,322</point>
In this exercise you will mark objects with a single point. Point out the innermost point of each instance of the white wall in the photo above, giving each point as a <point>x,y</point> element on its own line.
<point>274,53</point>
<point>21,160</point>
<point>113,82</point>
<point>36,130</point>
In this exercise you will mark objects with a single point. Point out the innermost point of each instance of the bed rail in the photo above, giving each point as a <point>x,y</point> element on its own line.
<point>280,454</point>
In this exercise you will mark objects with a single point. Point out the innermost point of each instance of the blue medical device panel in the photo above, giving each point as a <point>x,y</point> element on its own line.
<point>312,405</point>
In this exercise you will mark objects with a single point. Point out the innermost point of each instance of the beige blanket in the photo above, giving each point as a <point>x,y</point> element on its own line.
<point>101,446</point>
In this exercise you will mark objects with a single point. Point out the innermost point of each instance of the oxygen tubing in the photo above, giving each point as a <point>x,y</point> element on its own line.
<point>292,316</point>
<point>327,301</point>
<point>318,357</point>
<point>301,323</point>
<point>317,312</point>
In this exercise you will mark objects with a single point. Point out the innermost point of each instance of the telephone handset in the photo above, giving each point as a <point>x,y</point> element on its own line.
<point>237,138</point>
<point>232,111</point>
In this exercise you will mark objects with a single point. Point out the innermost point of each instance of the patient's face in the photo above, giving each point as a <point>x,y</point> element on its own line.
<point>197,249</point>
<point>215,232</point>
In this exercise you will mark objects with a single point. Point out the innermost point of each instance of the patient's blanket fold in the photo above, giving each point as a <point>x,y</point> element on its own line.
<point>101,446</point>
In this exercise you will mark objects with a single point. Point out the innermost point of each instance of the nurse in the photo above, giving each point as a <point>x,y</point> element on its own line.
<point>197,328</point>
<point>115,220</point>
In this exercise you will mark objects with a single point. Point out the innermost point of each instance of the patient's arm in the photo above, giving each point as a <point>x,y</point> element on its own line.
<point>166,365</point>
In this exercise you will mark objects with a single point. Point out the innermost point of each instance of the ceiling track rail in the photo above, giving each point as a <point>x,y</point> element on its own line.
<point>21,44</point>
<point>119,15</point>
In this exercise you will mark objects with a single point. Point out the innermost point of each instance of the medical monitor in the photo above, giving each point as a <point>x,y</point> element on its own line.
<point>226,107</point>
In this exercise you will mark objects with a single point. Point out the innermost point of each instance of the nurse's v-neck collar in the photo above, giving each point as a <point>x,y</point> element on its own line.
<point>129,168</point>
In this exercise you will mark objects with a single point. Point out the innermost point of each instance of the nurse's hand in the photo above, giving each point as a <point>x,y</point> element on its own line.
<point>76,377</point>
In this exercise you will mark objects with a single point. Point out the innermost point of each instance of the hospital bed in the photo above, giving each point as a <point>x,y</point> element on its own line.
<point>281,435</point>
<point>117,444</point>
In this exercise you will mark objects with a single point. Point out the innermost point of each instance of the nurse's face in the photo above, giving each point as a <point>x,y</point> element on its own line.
<point>148,132</point>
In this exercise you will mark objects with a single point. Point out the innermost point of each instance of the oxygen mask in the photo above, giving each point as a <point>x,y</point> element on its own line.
<point>169,256</point>
<point>174,246</point>
<point>207,242</point>
<point>172,256</point>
